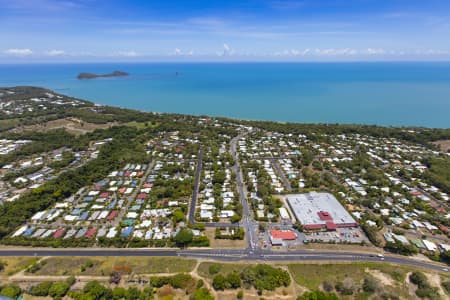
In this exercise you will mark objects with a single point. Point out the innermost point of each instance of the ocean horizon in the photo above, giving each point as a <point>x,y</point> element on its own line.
<point>378,93</point>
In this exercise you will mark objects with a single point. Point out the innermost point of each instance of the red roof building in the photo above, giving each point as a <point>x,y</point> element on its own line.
<point>90,233</point>
<point>112,215</point>
<point>330,225</point>
<point>313,226</point>
<point>142,196</point>
<point>58,233</point>
<point>287,235</point>
<point>325,216</point>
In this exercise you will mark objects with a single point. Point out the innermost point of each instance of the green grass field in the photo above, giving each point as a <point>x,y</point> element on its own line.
<point>103,266</point>
<point>12,265</point>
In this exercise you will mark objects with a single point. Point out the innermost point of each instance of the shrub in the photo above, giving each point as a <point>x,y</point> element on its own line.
<point>11,291</point>
<point>41,289</point>
<point>318,295</point>
<point>370,285</point>
<point>327,286</point>
<point>233,280</point>
<point>200,283</point>
<point>265,277</point>
<point>446,286</point>
<point>214,269</point>
<point>58,290</point>
<point>424,289</point>
<point>219,282</point>
<point>202,294</point>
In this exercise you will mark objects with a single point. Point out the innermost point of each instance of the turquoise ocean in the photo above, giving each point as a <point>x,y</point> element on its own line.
<point>397,94</point>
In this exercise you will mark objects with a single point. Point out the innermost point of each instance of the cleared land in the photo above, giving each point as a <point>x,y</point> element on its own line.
<point>103,266</point>
<point>345,279</point>
<point>390,279</point>
<point>72,125</point>
<point>12,265</point>
<point>444,145</point>
<point>222,244</point>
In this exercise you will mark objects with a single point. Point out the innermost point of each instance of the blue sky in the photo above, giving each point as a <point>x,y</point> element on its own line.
<point>229,30</point>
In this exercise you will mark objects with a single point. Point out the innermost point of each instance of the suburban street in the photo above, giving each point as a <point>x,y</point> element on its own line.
<point>193,203</point>
<point>247,219</point>
<point>198,173</point>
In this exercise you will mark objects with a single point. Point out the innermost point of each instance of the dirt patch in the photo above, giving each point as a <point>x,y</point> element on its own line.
<point>12,265</point>
<point>29,297</point>
<point>435,280</point>
<point>72,125</point>
<point>444,145</point>
<point>215,243</point>
<point>103,266</point>
<point>381,277</point>
<point>411,287</point>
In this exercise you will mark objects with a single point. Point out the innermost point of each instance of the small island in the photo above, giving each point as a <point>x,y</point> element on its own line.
<point>93,75</point>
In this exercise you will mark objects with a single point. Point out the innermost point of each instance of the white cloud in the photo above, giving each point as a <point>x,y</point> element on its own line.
<point>335,52</point>
<point>432,52</point>
<point>178,51</point>
<point>18,52</point>
<point>318,52</point>
<point>130,53</point>
<point>372,51</point>
<point>55,52</point>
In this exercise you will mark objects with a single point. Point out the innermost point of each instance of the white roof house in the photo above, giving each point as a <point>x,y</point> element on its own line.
<point>429,245</point>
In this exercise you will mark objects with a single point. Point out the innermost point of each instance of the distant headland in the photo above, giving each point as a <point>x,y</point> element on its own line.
<point>93,75</point>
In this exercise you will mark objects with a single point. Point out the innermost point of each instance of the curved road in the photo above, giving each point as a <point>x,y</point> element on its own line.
<point>232,255</point>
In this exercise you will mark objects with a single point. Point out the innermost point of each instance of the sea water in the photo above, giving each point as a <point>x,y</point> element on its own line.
<point>397,94</point>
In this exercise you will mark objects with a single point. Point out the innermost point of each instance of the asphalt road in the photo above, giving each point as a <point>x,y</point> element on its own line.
<point>198,173</point>
<point>193,204</point>
<point>280,172</point>
<point>232,255</point>
<point>247,221</point>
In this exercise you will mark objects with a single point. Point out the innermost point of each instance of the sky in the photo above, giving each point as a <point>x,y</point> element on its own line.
<point>224,30</point>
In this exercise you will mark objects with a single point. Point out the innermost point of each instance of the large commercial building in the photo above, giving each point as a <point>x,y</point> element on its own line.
<point>318,211</point>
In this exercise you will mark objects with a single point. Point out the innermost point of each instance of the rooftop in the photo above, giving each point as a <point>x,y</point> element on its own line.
<point>319,209</point>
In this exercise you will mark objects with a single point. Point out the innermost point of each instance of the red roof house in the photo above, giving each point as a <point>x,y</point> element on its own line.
<point>283,234</point>
<point>90,233</point>
<point>58,233</point>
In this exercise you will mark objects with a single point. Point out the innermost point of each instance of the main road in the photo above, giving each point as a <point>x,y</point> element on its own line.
<point>232,255</point>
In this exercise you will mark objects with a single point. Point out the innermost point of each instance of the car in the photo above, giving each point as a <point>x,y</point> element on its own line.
<point>445,269</point>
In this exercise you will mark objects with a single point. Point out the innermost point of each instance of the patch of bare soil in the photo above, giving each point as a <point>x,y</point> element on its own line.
<point>444,145</point>
<point>383,278</point>
<point>216,243</point>
<point>72,125</point>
